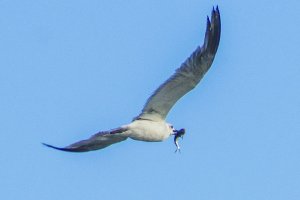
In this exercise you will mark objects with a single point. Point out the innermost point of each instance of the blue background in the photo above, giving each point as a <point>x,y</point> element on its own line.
<point>71,68</point>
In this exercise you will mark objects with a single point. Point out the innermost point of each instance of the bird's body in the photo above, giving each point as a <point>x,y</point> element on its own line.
<point>150,124</point>
<point>149,131</point>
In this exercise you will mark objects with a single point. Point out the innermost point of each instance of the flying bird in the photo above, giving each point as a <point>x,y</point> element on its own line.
<point>150,124</point>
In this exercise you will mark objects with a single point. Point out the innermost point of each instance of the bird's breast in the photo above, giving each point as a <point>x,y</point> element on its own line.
<point>150,131</point>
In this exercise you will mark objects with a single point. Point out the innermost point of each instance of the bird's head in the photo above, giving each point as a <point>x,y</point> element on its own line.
<point>171,128</point>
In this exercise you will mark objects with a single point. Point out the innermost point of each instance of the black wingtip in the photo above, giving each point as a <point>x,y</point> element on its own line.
<point>53,147</point>
<point>215,9</point>
<point>59,148</point>
<point>67,149</point>
<point>213,32</point>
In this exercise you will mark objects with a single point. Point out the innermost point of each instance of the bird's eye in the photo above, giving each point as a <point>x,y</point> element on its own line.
<point>171,126</point>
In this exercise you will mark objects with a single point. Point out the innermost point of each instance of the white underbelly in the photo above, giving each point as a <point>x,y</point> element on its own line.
<point>148,131</point>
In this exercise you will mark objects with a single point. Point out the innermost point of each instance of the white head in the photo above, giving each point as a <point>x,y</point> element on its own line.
<point>171,128</point>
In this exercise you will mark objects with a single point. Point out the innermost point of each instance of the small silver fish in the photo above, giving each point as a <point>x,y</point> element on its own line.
<point>178,134</point>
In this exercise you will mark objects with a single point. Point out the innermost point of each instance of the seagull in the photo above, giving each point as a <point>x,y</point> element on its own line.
<point>150,124</point>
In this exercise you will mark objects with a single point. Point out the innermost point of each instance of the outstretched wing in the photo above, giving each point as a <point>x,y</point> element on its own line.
<point>187,76</point>
<point>98,141</point>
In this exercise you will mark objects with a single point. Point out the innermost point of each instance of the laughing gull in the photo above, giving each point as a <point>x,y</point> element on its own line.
<point>150,124</point>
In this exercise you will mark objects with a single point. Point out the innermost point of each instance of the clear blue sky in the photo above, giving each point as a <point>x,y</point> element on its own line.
<point>72,68</point>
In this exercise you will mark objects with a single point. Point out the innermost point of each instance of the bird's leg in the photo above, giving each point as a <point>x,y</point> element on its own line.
<point>177,134</point>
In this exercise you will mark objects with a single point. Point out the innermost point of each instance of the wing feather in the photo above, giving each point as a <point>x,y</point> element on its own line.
<point>187,76</point>
<point>98,141</point>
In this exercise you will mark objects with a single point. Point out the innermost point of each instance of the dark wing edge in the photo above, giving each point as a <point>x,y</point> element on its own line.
<point>98,141</point>
<point>213,33</point>
<point>188,75</point>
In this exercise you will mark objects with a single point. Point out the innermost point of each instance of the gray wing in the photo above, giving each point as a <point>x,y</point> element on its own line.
<point>188,75</point>
<point>98,141</point>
